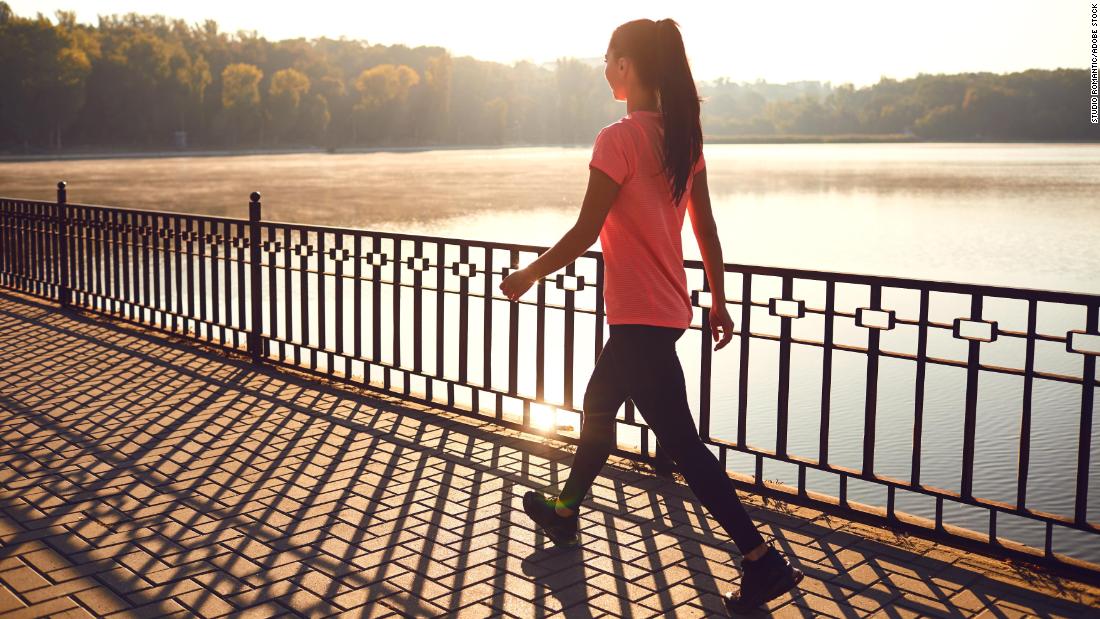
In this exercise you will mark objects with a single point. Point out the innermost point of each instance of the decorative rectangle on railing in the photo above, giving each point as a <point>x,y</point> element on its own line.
<point>1083,342</point>
<point>569,282</point>
<point>875,319</point>
<point>976,330</point>
<point>700,298</point>
<point>787,308</point>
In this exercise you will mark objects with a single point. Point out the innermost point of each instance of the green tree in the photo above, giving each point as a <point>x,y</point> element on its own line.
<point>288,88</point>
<point>241,98</point>
<point>42,76</point>
<point>381,89</point>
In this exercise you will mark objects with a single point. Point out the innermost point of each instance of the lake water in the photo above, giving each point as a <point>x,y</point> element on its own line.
<point>1022,215</point>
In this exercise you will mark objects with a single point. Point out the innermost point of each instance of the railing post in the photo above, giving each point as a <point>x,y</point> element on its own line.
<point>62,219</point>
<point>255,344</point>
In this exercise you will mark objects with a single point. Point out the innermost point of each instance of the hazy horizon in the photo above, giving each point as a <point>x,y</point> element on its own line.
<point>866,41</point>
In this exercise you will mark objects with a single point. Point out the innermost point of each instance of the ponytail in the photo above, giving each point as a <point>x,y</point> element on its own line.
<point>658,53</point>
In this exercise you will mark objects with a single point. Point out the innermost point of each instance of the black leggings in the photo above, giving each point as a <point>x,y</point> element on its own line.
<point>639,362</point>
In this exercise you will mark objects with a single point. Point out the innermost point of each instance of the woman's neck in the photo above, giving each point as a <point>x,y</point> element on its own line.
<point>641,102</point>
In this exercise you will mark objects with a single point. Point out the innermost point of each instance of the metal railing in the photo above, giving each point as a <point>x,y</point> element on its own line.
<point>422,316</point>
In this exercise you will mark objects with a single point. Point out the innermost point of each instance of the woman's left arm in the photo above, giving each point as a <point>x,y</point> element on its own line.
<point>598,199</point>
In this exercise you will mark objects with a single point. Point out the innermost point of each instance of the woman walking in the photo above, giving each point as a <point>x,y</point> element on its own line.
<point>646,170</point>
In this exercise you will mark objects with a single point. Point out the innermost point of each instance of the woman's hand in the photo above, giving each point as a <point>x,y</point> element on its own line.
<point>720,319</point>
<point>516,284</point>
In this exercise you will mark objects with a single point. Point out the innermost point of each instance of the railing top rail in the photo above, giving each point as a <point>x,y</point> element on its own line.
<point>1017,292</point>
<point>1058,296</point>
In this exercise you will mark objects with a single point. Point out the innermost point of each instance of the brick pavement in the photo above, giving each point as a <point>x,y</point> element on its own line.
<point>144,475</point>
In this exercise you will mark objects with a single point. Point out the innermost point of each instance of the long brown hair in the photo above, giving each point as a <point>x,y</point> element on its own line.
<point>657,50</point>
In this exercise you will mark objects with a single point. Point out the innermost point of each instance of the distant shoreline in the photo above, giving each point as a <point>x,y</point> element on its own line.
<point>718,139</point>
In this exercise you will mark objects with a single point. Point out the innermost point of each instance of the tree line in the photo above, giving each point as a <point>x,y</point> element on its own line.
<point>137,81</point>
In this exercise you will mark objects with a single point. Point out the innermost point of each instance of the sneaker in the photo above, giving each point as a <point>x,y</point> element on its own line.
<point>562,530</point>
<point>762,580</point>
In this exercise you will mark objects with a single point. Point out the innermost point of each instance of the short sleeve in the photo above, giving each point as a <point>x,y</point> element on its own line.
<point>609,154</point>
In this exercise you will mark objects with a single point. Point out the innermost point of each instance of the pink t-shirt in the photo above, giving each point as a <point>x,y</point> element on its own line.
<point>644,278</point>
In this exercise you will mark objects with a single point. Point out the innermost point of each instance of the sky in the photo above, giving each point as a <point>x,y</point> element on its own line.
<point>856,41</point>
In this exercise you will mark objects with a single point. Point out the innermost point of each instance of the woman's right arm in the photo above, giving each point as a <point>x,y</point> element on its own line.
<point>706,234</point>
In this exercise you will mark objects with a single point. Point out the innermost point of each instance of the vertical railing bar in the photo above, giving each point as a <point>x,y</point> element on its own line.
<point>918,389</point>
<point>48,260</point>
<point>269,254</point>
<point>227,283</point>
<point>513,332</point>
<point>178,231</point>
<point>358,303</point>
<point>569,357</point>
<point>97,281</point>
<point>338,300</point>
<point>540,340</point>
<point>255,296</point>
<point>397,317</point>
<point>116,289</point>
<point>26,237</point>
<point>28,249</point>
<point>172,271</point>
<point>376,313</point>
<point>870,400</point>
<point>141,279</point>
<point>303,301</point>
<point>146,275</point>
<point>1025,418</point>
<point>34,277</point>
<point>15,229</point>
<point>75,254</point>
<point>784,387</point>
<point>64,236</point>
<point>37,251</point>
<point>322,314</point>
<point>211,240</point>
<point>599,317</point>
<point>418,307</point>
<point>6,246</point>
<point>463,313</point>
<point>743,369</point>
<point>161,305</point>
<point>287,343</point>
<point>971,414</point>
<point>184,228</point>
<point>127,265</point>
<point>705,363</point>
<point>243,232</point>
<point>440,307</point>
<point>826,374</point>
<point>26,246</point>
<point>487,318</point>
<point>7,252</point>
<point>54,239</point>
<point>49,250</point>
<point>18,249</point>
<point>201,258</point>
<point>1084,440</point>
